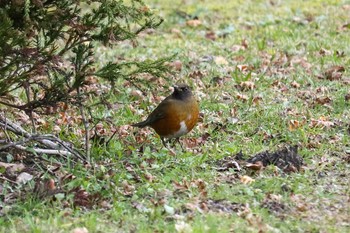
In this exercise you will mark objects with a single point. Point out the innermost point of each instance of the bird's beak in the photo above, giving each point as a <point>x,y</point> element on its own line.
<point>176,87</point>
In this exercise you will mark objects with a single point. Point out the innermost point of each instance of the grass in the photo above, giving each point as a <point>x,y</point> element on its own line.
<point>280,42</point>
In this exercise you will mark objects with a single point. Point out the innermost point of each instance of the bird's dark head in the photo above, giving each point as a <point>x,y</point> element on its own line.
<point>182,91</point>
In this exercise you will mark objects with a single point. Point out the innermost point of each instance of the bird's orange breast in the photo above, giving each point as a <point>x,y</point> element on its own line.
<point>179,118</point>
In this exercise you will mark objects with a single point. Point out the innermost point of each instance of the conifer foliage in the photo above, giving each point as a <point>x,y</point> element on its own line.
<point>47,49</point>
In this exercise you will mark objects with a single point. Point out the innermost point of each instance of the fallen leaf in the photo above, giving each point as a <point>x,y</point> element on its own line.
<point>210,35</point>
<point>237,47</point>
<point>176,65</point>
<point>12,168</point>
<point>56,129</point>
<point>323,100</point>
<point>219,60</point>
<point>183,227</point>
<point>196,74</point>
<point>246,179</point>
<point>325,52</point>
<point>80,230</point>
<point>137,94</point>
<point>176,32</point>
<point>149,177</point>
<point>257,99</point>
<point>321,122</point>
<point>182,187</point>
<point>23,178</point>
<point>293,125</point>
<point>128,188</point>
<point>334,72</point>
<point>258,166</point>
<point>247,85</point>
<point>244,43</point>
<point>295,84</point>
<point>347,97</point>
<point>242,67</point>
<point>194,23</point>
<point>169,210</point>
<point>242,97</point>
<point>202,187</point>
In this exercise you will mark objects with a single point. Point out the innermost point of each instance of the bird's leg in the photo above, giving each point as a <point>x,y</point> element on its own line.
<point>163,141</point>
<point>178,140</point>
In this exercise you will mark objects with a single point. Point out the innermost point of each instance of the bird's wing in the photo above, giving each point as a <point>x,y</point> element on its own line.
<point>159,112</point>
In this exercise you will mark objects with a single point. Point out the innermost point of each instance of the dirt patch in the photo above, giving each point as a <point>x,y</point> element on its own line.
<point>275,206</point>
<point>230,162</point>
<point>211,205</point>
<point>223,206</point>
<point>286,159</point>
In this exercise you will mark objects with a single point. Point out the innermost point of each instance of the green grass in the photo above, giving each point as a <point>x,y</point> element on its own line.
<point>284,41</point>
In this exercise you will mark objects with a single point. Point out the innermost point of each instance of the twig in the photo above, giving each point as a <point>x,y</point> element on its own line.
<point>86,127</point>
<point>6,179</point>
<point>13,144</point>
<point>26,88</point>
<point>54,145</point>
<point>110,138</point>
<point>6,124</point>
<point>44,151</point>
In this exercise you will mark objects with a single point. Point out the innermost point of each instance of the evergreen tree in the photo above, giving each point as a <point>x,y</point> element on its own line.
<point>47,49</point>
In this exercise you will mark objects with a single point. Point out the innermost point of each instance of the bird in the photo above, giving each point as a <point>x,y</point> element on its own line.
<point>175,116</point>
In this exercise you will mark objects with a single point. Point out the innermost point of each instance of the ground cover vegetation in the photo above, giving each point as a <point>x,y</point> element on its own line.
<point>271,152</point>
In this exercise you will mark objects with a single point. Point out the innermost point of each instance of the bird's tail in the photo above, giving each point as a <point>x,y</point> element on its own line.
<point>141,124</point>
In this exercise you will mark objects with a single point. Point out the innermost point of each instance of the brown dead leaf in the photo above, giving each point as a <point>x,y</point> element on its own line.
<point>176,65</point>
<point>219,60</point>
<point>247,85</point>
<point>80,230</point>
<point>210,35</point>
<point>91,80</point>
<point>243,67</point>
<point>246,179</point>
<point>184,186</point>
<point>242,97</point>
<point>137,94</point>
<point>301,61</point>
<point>257,99</point>
<point>300,203</point>
<point>12,168</point>
<point>244,43</point>
<point>322,122</point>
<point>293,125</point>
<point>45,188</point>
<point>237,47</point>
<point>56,129</point>
<point>325,52</point>
<point>149,177</point>
<point>347,96</point>
<point>200,185</point>
<point>50,184</point>
<point>295,84</point>
<point>334,72</point>
<point>196,74</point>
<point>86,199</point>
<point>183,227</point>
<point>194,23</point>
<point>124,130</point>
<point>258,166</point>
<point>176,32</point>
<point>323,100</point>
